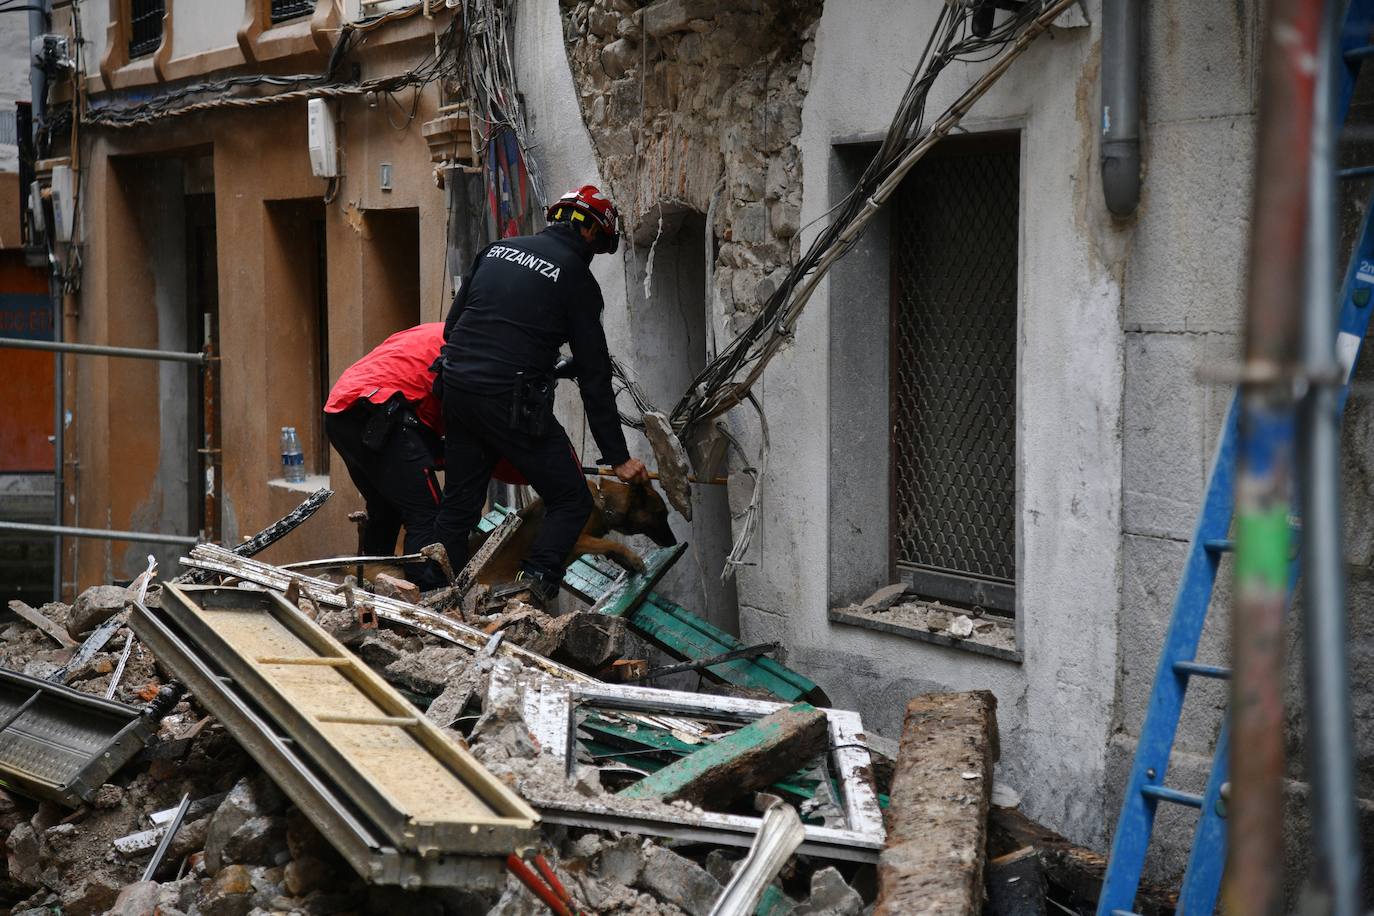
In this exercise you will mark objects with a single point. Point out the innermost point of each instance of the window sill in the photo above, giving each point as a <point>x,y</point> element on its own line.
<point>310,484</point>
<point>925,623</point>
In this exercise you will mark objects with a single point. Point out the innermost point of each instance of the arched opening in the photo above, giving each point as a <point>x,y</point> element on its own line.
<point>669,327</point>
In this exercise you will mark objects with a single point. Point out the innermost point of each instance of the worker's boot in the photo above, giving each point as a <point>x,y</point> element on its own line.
<point>539,592</point>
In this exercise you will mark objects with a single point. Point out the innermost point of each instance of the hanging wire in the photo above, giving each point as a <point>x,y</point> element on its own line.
<point>727,379</point>
<point>490,74</point>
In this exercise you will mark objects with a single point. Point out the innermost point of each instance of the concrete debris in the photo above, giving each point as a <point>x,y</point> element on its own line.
<point>58,633</point>
<point>961,627</point>
<point>581,640</point>
<point>241,818</point>
<point>884,597</point>
<point>429,670</point>
<point>94,606</point>
<point>831,896</point>
<point>679,881</point>
<point>249,851</point>
<point>395,587</point>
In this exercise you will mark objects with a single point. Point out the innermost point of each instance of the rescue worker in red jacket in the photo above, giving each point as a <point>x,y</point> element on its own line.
<point>384,421</point>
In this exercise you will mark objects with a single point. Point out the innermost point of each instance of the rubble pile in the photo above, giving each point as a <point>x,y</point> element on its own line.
<point>244,849</point>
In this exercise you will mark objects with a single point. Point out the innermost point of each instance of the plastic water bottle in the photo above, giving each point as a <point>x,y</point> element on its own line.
<point>292,461</point>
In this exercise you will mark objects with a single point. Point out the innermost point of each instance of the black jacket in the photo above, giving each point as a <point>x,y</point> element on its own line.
<point>522,299</point>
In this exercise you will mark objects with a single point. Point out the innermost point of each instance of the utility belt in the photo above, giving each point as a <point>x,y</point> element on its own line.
<point>531,399</point>
<point>395,412</point>
<point>531,403</point>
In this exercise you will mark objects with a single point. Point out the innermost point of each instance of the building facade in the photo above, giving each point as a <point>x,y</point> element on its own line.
<point>727,132</point>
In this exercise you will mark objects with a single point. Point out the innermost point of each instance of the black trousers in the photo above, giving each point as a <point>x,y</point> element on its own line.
<point>478,434</point>
<point>397,481</point>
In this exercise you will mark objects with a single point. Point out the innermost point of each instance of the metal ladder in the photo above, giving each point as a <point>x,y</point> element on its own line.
<point>1146,788</point>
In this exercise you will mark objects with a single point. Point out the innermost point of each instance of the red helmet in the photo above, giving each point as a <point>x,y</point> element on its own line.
<point>588,204</point>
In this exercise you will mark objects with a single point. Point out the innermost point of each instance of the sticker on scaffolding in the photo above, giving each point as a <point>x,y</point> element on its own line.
<point>1365,274</point>
<point>1347,348</point>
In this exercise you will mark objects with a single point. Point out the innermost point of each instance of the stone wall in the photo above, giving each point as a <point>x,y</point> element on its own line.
<point>691,103</point>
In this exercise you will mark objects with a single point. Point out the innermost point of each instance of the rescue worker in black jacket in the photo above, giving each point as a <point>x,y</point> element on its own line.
<point>521,301</point>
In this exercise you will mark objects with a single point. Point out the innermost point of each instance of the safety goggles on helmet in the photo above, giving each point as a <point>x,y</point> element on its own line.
<point>587,205</point>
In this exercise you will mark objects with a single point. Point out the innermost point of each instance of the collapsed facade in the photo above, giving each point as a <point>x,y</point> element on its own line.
<point>727,132</point>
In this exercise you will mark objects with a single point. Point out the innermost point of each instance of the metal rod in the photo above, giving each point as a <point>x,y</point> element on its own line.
<point>57,346</point>
<point>167,837</point>
<point>746,652</point>
<point>1335,827</point>
<point>138,537</point>
<point>1253,884</point>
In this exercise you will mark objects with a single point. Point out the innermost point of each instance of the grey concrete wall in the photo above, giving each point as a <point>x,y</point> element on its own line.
<point>1055,708</point>
<point>14,76</point>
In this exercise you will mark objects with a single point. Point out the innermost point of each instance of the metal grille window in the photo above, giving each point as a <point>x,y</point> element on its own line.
<point>954,269</point>
<point>145,26</point>
<point>283,10</point>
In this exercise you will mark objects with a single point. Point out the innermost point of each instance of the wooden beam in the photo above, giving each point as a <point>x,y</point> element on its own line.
<point>937,819</point>
<point>747,759</point>
<point>1073,869</point>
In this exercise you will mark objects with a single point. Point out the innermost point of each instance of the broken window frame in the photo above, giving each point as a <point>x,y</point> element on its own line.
<point>550,714</point>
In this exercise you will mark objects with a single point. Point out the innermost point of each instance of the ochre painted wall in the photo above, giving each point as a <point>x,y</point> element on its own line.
<point>264,195</point>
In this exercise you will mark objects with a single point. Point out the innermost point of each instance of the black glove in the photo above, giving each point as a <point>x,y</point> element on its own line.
<point>565,368</point>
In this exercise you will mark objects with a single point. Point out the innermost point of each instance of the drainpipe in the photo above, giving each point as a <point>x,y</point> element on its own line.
<point>1120,117</point>
<point>38,99</point>
<point>1335,825</point>
<point>1264,473</point>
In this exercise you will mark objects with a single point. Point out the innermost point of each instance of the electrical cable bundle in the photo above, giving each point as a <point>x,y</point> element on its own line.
<point>439,63</point>
<point>490,72</point>
<point>727,379</point>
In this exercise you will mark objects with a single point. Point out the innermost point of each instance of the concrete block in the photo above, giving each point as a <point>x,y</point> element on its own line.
<point>1151,570</point>
<point>830,896</point>
<point>679,881</point>
<point>395,587</point>
<point>1187,266</point>
<point>137,899</point>
<point>1164,448</point>
<point>94,606</point>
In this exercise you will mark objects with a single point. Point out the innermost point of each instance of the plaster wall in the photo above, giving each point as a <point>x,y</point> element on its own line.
<point>14,76</point>
<point>1055,706</point>
<point>204,25</point>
